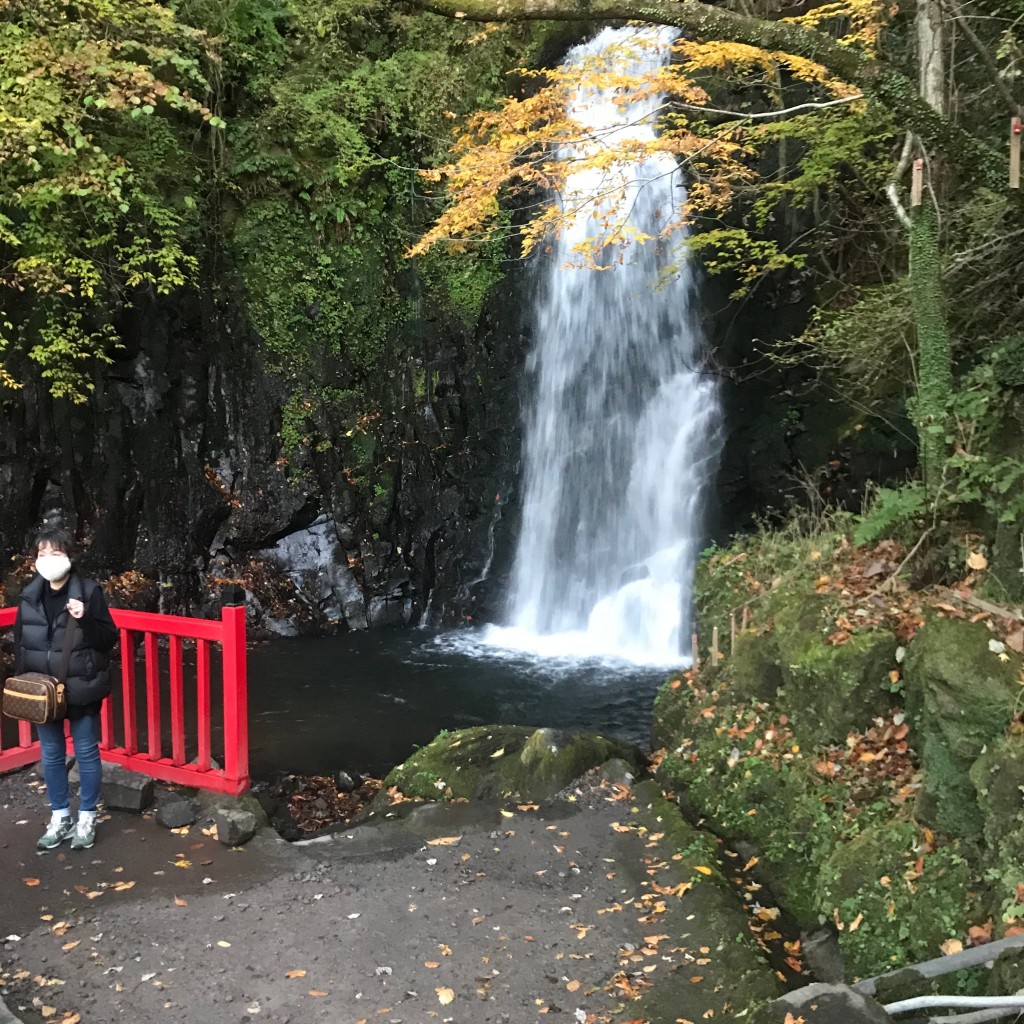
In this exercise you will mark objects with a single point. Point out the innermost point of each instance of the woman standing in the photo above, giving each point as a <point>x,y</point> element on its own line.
<point>55,595</point>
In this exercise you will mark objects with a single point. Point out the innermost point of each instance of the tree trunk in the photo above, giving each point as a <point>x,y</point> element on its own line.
<point>935,371</point>
<point>931,55</point>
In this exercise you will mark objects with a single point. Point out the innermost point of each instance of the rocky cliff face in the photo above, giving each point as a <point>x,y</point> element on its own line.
<point>791,433</point>
<point>175,477</point>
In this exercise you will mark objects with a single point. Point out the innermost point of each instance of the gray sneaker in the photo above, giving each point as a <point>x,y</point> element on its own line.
<point>85,832</point>
<point>59,830</point>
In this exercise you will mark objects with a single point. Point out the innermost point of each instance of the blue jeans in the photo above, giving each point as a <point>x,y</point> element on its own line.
<point>85,732</point>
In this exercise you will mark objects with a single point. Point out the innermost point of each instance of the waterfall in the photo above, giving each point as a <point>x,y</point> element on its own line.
<point>622,429</point>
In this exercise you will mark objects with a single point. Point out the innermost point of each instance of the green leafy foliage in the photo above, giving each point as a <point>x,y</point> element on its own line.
<point>332,109</point>
<point>986,467</point>
<point>895,512</point>
<point>90,205</point>
<point>138,143</point>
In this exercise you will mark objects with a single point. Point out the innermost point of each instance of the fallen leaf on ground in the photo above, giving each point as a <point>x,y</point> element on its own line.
<point>951,946</point>
<point>295,974</point>
<point>317,993</point>
<point>444,841</point>
<point>444,995</point>
<point>573,986</point>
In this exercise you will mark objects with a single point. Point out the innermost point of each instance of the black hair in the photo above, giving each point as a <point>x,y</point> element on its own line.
<point>57,538</point>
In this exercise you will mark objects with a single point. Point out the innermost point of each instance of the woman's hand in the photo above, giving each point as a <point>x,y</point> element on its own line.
<point>75,608</point>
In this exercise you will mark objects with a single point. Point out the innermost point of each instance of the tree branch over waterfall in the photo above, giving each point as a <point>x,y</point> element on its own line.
<point>877,79</point>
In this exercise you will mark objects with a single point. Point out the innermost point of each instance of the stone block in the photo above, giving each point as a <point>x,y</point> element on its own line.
<point>822,1004</point>
<point>617,771</point>
<point>126,791</point>
<point>235,825</point>
<point>174,811</point>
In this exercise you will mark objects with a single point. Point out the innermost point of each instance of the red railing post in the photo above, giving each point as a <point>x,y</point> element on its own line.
<point>236,695</point>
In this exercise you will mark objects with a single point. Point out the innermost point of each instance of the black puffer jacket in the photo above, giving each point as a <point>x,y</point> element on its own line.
<point>39,643</point>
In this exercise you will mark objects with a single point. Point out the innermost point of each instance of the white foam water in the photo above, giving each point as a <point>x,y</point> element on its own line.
<point>622,431</point>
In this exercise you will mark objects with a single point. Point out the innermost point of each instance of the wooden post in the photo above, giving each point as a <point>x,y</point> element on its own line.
<point>917,183</point>
<point>743,624</point>
<point>1015,130</point>
<point>714,646</point>
<point>694,653</point>
<point>732,627</point>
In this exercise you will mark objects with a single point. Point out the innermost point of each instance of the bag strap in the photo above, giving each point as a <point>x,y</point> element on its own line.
<point>69,643</point>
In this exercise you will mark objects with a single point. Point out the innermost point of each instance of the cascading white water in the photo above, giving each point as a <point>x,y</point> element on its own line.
<point>622,431</point>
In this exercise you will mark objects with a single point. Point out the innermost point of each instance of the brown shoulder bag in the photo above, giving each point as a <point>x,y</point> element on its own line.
<point>37,697</point>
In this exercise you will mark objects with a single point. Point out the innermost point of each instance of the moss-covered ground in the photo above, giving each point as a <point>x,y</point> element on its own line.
<point>863,738</point>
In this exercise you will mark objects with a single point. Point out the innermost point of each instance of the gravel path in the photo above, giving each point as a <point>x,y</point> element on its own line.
<point>466,913</point>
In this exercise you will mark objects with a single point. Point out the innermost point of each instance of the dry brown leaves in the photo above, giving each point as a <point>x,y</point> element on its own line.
<point>315,802</point>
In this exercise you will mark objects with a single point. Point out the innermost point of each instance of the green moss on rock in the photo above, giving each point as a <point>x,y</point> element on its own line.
<point>998,778</point>
<point>902,917</point>
<point>961,697</point>
<point>504,760</point>
<point>830,689</point>
<point>755,666</point>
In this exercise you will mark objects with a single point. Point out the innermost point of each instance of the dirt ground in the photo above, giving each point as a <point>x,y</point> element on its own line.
<point>469,913</point>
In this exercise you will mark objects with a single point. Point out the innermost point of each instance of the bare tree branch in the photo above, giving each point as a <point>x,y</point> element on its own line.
<point>1012,106</point>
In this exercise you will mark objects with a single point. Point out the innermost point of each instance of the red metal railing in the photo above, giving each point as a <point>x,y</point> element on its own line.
<point>229,634</point>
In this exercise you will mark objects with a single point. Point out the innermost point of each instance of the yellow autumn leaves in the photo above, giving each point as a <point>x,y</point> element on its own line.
<point>531,145</point>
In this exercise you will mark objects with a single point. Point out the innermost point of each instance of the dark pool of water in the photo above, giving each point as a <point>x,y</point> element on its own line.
<point>365,701</point>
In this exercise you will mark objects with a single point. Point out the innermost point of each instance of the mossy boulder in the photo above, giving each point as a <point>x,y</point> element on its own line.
<point>998,778</point>
<point>755,665</point>
<point>905,904</point>
<point>504,760</point>
<point>830,689</point>
<point>960,696</point>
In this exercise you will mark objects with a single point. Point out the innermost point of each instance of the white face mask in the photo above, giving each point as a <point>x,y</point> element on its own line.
<point>53,567</point>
